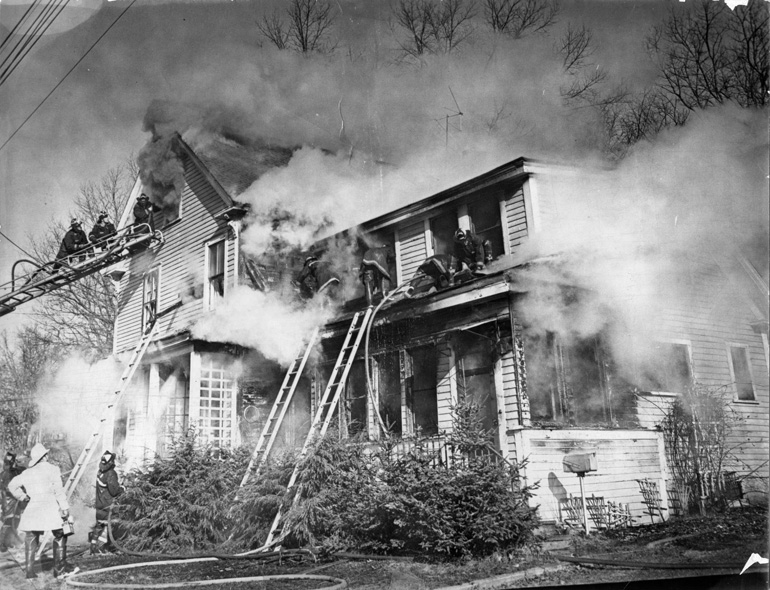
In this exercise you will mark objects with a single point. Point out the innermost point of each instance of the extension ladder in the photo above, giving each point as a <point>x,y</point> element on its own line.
<point>125,380</point>
<point>277,412</point>
<point>326,407</point>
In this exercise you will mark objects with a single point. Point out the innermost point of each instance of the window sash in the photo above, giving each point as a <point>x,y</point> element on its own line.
<point>740,369</point>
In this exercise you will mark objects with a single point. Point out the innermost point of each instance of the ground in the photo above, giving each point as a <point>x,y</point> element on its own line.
<point>727,538</point>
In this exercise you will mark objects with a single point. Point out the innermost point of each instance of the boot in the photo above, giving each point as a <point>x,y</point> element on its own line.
<point>31,544</point>
<point>60,565</point>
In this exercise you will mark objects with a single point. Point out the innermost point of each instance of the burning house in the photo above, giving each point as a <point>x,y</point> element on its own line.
<point>555,363</point>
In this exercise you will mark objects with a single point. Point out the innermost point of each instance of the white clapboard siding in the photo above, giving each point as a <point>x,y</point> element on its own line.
<point>181,260</point>
<point>412,248</point>
<point>623,456</point>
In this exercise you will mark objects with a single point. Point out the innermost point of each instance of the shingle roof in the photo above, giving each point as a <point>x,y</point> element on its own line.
<point>237,166</point>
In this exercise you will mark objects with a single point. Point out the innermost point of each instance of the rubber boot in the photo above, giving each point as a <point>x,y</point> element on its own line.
<point>59,554</point>
<point>31,544</point>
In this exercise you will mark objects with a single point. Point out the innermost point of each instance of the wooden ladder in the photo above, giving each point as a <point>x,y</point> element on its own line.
<point>325,410</point>
<point>277,412</point>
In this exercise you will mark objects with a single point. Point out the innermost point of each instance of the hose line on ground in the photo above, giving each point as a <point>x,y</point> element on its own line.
<point>646,564</point>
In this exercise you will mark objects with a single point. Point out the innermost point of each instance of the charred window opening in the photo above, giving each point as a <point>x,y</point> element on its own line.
<point>741,373</point>
<point>568,382</point>
<point>389,390</point>
<point>442,230</point>
<point>356,405</point>
<point>668,369</point>
<point>419,368</point>
<point>475,352</point>
<point>486,224</point>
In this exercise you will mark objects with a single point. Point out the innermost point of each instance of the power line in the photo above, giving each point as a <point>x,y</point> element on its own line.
<point>18,24</point>
<point>31,40</point>
<point>66,75</point>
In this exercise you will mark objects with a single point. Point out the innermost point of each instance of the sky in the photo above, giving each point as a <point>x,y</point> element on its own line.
<point>202,68</point>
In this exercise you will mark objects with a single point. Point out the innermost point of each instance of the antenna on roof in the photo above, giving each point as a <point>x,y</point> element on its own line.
<point>458,113</point>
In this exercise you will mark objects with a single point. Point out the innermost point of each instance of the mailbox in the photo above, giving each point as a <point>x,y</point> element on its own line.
<point>581,462</point>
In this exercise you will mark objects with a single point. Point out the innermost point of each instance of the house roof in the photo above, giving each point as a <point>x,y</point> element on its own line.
<point>236,166</point>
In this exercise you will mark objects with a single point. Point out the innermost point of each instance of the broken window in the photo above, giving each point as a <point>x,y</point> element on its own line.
<point>423,402</point>
<point>475,376</point>
<point>389,391</point>
<point>667,369</point>
<point>485,223</point>
<point>150,299</point>
<point>215,255</point>
<point>216,417</point>
<point>740,370</point>
<point>442,230</point>
<point>565,380</point>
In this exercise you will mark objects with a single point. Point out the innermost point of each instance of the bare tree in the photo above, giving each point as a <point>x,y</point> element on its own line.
<point>306,29</point>
<point>575,47</point>
<point>433,26</point>
<point>585,78</point>
<point>707,53</point>
<point>81,315</point>
<point>23,362</point>
<point>517,17</point>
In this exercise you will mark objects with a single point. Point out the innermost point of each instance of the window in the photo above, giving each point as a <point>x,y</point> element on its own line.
<point>442,229</point>
<point>475,376</point>
<point>668,368</point>
<point>740,371</point>
<point>216,420</point>
<point>485,223</point>
<point>389,391</point>
<point>422,403</point>
<point>216,272</point>
<point>150,299</point>
<point>174,395</point>
<point>355,400</point>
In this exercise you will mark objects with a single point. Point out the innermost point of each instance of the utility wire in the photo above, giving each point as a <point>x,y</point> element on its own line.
<point>29,34</point>
<point>32,40</point>
<point>15,244</point>
<point>66,75</point>
<point>18,24</point>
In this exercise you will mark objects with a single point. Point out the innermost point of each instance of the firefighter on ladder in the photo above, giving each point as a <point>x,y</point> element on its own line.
<point>107,489</point>
<point>74,242</point>
<point>374,272</point>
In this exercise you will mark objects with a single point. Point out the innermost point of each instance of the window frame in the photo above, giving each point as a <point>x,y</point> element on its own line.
<point>210,300</point>
<point>154,271</point>
<point>688,345</point>
<point>733,380</point>
<point>209,364</point>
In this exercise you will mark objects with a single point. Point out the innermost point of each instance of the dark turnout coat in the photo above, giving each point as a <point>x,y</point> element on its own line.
<point>107,489</point>
<point>74,240</point>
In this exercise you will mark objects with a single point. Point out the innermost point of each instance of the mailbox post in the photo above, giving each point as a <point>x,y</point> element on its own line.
<point>580,463</point>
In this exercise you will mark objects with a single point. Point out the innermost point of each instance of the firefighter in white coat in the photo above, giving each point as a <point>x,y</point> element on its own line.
<point>47,509</point>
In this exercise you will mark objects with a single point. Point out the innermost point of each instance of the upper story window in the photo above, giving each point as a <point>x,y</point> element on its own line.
<point>215,274</point>
<point>442,230</point>
<point>486,224</point>
<point>669,368</point>
<point>740,371</point>
<point>150,292</point>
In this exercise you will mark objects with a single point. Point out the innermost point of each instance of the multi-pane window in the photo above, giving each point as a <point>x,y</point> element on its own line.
<point>216,272</point>
<point>740,369</point>
<point>485,223</point>
<point>150,299</point>
<point>174,394</point>
<point>216,421</point>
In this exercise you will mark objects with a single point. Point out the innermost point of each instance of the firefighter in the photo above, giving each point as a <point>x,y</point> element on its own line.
<point>107,489</point>
<point>308,278</point>
<point>74,241</point>
<point>143,210</point>
<point>471,250</point>
<point>441,268</point>
<point>10,507</point>
<point>47,510</point>
<point>374,271</point>
<point>103,229</point>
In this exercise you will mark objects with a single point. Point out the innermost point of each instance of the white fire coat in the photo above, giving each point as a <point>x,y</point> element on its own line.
<point>42,483</point>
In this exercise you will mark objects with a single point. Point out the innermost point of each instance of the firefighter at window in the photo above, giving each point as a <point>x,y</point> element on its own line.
<point>107,489</point>
<point>10,507</point>
<point>103,229</point>
<point>308,278</point>
<point>374,271</point>
<point>440,268</point>
<point>471,250</point>
<point>74,241</point>
<point>143,210</point>
<point>47,510</point>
